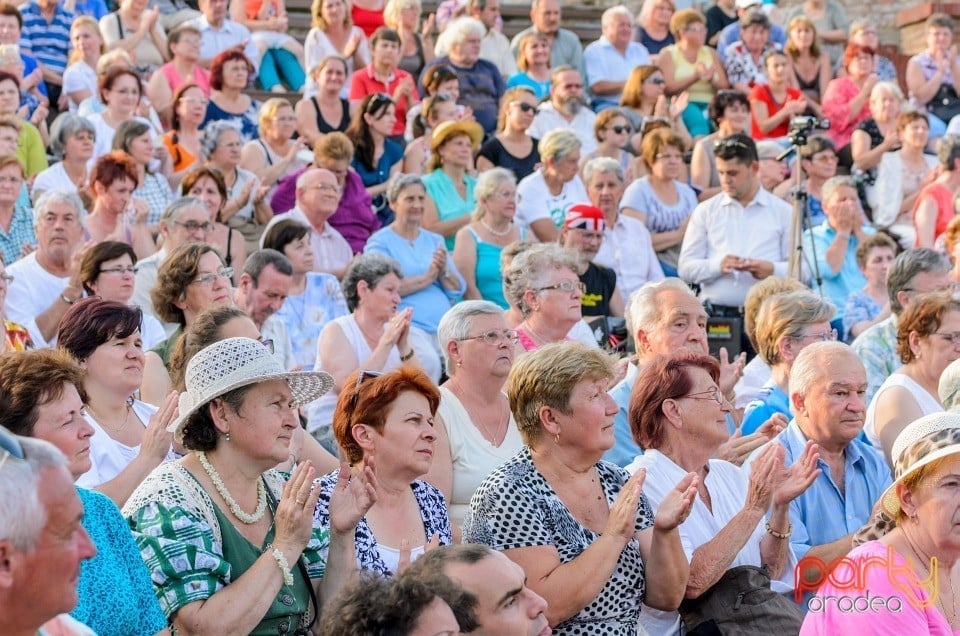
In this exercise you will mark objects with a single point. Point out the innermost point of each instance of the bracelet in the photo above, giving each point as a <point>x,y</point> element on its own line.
<point>284,566</point>
<point>780,535</point>
<point>64,298</point>
<point>406,356</point>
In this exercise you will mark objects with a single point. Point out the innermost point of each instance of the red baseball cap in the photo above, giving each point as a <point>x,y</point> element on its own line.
<point>585,216</point>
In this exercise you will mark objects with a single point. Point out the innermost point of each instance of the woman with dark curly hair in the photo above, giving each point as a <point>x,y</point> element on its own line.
<point>259,564</point>
<point>390,416</point>
<point>130,437</point>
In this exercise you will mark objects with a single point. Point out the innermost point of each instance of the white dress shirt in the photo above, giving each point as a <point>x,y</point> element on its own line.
<point>720,226</point>
<point>582,124</point>
<point>627,249</point>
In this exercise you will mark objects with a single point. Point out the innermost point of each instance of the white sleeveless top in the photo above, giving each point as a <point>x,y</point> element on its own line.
<point>320,412</point>
<point>474,457</point>
<point>928,403</point>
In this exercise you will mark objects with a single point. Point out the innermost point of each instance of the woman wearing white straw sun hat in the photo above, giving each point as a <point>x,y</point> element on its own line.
<point>216,565</point>
<point>909,571</point>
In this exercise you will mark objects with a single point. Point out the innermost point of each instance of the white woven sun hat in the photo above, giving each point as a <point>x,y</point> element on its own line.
<point>237,362</point>
<point>922,441</point>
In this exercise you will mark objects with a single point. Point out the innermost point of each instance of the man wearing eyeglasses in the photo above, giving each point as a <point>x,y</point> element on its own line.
<point>737,237</point>
<point>582,232</point>
<point>914,272</point>
<point>42,541</point>
<point>318,197</point>
<point>47,281</point>
<point>185,220</point>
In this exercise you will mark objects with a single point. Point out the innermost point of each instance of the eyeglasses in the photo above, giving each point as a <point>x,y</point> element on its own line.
<point>656,80</point>
<point>11,180</point>
<point>714,394</point>
<point>7,278</point>
<point>326,187</point>
<point>363,377</point>
<point>10,446</point>
<point>209,278</point>
<point>129,269</point>
<point>203,101</point>
<point>953,338</point>
<point>565,286</point>
<point>494,337</point>
<point>268,343</point>
<point>621,129</point>
<point>193,226</point>
<point>823,336</point>
<point>525,107</point>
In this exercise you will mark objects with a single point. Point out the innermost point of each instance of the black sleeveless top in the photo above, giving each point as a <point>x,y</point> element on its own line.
<point>322,124</point>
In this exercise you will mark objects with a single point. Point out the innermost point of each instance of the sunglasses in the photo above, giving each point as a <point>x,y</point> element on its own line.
<point>378,101</point>
<point>363,377</point>
<point>621,129</point>
<point>10,447</point>
<point>525,107</point>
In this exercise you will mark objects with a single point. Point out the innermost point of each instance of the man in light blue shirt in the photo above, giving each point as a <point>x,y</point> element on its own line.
<point>611,58</point>
<point>834,243</point>
<point>827,387</point>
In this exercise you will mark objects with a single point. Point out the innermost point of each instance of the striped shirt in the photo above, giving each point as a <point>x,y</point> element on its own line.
<point>48,42</point>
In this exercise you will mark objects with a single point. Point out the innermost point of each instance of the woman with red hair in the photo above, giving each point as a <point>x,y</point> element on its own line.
<point>230,74</point>
<point>115,213</point>
<point>390,416</point>
<point>847,100</point>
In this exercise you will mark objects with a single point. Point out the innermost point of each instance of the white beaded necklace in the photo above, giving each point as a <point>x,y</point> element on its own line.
<point>499,233</point>
<point>231,502</point>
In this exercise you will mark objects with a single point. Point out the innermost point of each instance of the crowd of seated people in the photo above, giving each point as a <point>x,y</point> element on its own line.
<point>408,327</point>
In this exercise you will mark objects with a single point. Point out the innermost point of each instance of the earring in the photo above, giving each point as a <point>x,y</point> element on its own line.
<point>226,436</point>
<point>557,438</point>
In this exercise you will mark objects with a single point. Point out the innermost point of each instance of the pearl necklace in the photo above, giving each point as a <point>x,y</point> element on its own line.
<point>505,232</point>
<point>231,502</point>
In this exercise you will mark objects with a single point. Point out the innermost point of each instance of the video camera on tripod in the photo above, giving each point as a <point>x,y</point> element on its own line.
<point>802,127</point>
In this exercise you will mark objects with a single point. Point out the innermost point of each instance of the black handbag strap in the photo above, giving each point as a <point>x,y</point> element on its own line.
<point>300,566</point>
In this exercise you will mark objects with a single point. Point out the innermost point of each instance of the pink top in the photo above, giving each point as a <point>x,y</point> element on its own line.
<point>836,108</point>
<point>886,593</point>
<point>201,77</point>
<point>945,212</point>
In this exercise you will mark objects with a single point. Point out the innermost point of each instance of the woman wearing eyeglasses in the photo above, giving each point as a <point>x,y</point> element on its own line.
<point>661,200</point>
<point>542,282</point>
<point>511,147</point>
<point>928,340</point>
<point>738,522</point>
<point>107,270</point>
<point>390,417</point>
<point>477,431</point>
<point>785,324</point>
<point>41,396</point>
<point>207,184</point>
<point>612,131</point>
<point>275,152</point>
<point>130,437</point>
<point>116,214</point>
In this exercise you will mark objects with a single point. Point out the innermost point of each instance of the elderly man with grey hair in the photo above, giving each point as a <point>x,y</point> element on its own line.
<point>665,317</point>
<point>827,388</point>
<point>834,243</point>
<point>42,540</point>
<point>567,108</point>
<point>627,247</point>
<point>611,58</point>
<point>263,287</point>
<point>916,271</point>
<point>318,197</point>
<point>495,47</point>
<point>185,220</point>
<point>47,281</point>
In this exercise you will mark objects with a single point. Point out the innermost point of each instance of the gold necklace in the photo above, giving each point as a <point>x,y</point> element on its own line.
<point>926,562</point>
<point>102,422</point>
<point>499,433</point>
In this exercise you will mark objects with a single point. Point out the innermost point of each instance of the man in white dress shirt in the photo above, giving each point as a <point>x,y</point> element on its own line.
<point>567,108</point>
<point>611,58</point>
<point>737,237</point>
<point>219,33</point>
<point>318,197</point>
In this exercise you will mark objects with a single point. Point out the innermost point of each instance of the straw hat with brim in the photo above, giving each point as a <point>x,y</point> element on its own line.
<point>237,362</point>
<point>449,129</point>
<point>922,442</point>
